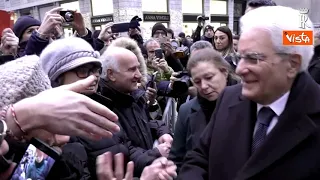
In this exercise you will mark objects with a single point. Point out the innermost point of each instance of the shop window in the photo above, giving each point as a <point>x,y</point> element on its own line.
<point>189,28</point>
<point>155,6</point>
<point>74,6</point>
<point>218,7</point>
<point>101,7</point>
<point>192,6</point>
<point>238,9</point>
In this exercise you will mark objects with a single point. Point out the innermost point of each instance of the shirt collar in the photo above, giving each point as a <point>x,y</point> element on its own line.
<point>278,105</point>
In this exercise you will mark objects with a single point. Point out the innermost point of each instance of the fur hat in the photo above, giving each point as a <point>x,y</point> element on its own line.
<point>132,45</point>
<point>66,54</point>
<point>22,78</point>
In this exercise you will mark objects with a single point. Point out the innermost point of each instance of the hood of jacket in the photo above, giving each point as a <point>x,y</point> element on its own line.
<point>133,46</point>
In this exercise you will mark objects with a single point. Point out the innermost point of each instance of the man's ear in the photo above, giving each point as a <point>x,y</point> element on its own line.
<point>294,65</point>
<point>110,75</point>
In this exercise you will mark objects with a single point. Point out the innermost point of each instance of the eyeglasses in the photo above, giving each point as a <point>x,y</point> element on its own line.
<point>86,71</point>
<point>254,57</point>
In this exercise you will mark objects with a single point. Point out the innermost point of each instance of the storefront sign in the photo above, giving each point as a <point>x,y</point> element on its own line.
<point>156,17</point>
<point>101,19</point>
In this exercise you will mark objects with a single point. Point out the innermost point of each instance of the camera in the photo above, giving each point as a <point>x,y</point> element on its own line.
<point>182,52</point>
<point>67,15</point>
<point>202,18</point>
<point>183,84</point>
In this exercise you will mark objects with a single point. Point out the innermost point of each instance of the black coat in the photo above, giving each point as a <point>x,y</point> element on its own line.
<point>290,151</point>
<point>189,126</point>
<point>314,65</point>
<point>141,132</point>
<point>115,145</point>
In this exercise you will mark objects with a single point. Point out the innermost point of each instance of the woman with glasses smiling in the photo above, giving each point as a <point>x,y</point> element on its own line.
<point>66,61</point>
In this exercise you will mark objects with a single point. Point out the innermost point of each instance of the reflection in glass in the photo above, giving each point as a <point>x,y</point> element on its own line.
<point>189,28</point>
<point>154,5</point>
<point>73,6</point>
<point>101,7</point>
<point>192,6</point>
<point>218,7</point>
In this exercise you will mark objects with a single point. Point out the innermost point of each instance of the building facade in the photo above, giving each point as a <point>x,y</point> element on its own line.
<point>179,15</point>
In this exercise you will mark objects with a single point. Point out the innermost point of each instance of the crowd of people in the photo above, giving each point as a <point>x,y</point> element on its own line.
<point>247,104</point>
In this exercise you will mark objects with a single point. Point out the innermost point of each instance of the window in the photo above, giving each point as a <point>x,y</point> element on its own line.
<point>192,6</point>
<point>218,7</point>
<point>238,9</point>
<point>154,6</point>
<point>101,7</point>
<point>74,6</point>
<point>189,28</point>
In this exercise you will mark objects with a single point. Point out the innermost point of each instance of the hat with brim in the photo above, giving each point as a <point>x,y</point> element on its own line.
<point>73,65</point>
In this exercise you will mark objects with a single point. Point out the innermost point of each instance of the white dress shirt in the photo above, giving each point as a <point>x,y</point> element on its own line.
<point>277,107</point>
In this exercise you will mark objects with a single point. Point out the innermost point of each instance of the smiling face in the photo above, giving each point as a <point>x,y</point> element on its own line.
<point>209,80</point>
<point>83,72</point>
<point>127,77</point>
<point>266,74</point>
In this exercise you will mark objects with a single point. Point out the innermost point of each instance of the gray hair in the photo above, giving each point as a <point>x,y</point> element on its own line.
<point>145,44</point>
<point>276,19</point>
<point>108,61</point>
<point>200,45</point>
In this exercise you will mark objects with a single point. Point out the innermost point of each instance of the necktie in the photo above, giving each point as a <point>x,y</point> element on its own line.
<point>265,116</point>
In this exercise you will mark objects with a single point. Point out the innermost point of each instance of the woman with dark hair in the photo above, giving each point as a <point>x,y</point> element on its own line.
<point>210,74</point>
<point>223,42</point>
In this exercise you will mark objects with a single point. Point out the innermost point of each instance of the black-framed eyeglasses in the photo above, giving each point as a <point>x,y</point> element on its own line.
<point>86,71</point>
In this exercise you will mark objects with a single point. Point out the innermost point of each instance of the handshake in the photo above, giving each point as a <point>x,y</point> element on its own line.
<point>161,168</point>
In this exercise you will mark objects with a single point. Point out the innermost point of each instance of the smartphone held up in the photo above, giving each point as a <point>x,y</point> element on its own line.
<point>36,162</point>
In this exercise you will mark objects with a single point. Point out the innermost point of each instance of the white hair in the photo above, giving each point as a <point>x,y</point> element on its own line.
<point>276,19</point>
<point>149,41</point>
<point>108,61</point>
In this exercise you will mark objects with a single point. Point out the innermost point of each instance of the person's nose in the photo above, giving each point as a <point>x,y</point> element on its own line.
<point>242,67</point>
<point>138,74</point>
<point>204,85</point>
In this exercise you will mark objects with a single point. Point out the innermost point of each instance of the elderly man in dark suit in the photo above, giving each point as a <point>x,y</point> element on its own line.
<point>268,126</point>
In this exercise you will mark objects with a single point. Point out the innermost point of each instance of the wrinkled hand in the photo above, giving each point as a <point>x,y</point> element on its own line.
<point>173,78</point>
<point>161,168</point>
<point>106,34</point>
<point>9,42</point>
<point>164,149</point>
<point>151,95</point>
<point>166,138</point>
<point>50,21</point>
<point>79,25</point>
<point>68,113</point>
<point>168,49</point>
<point>105,171</point>
<point>162,64</point>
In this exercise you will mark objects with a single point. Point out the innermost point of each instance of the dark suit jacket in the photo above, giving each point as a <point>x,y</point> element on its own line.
<point>290,151</point>
<point>189,127</point>
<point>314,65</point>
